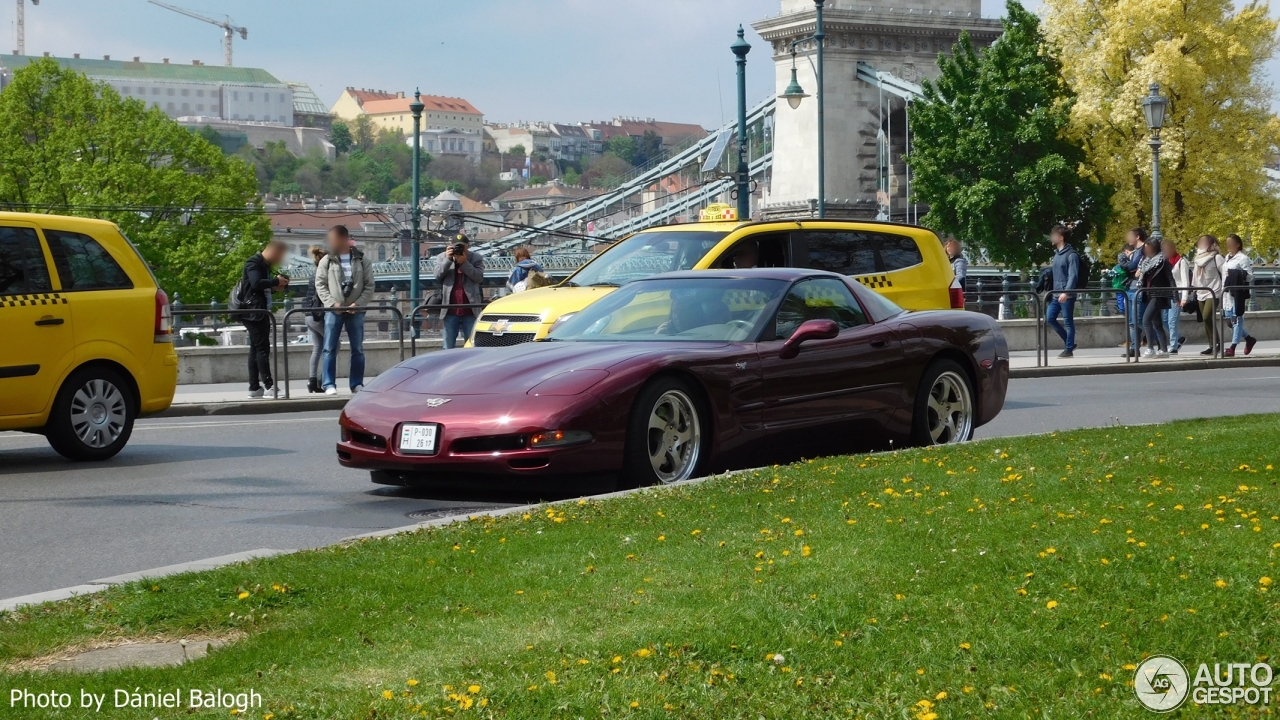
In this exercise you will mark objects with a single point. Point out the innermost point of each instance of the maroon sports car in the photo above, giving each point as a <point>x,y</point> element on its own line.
<point>680,375</point>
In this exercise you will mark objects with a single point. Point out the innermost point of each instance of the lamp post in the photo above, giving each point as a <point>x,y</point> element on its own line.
<point>1154,107</point>
<point>415,212</point>
<point>794,95</point>
<point>740,48</point>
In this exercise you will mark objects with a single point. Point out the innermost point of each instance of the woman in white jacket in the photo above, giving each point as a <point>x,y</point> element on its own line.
<point>1208,273</point>
<point>1236,272</point>
<point>1181,271</point>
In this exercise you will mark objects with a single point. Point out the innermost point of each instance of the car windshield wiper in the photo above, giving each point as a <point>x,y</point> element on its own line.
<point>605,284</point>
<point>569,284</point>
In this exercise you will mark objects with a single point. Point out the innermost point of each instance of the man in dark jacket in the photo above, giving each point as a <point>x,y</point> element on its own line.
<point>259,283</point>
<point>1066,272</point>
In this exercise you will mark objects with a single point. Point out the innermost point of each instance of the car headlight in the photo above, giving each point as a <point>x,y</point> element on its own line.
<point>561,320</point>
<point>558,438</point>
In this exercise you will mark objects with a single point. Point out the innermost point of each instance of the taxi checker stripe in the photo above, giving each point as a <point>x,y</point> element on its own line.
<point>876,281</point>
<point>39,299</point>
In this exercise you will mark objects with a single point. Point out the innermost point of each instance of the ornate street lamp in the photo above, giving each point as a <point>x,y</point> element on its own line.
<point>794,95</point>
<point>1154,107</point>
<point>740,49</point>
<point>415,212</point>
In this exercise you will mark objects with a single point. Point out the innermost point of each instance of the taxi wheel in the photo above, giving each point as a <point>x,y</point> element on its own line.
<point>667,436</point>
<point>92,416</point>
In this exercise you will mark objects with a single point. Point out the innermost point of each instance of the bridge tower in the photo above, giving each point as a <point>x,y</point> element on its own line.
<point>904,40</point>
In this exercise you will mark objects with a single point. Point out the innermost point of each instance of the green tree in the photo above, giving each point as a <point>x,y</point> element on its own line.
<point>623,146</point>
<point>340,136</point>
<point>72,146</point>
<point>363,133</point>
<point>990,154</point>
<point>572,177</point>
<point>648,149</point>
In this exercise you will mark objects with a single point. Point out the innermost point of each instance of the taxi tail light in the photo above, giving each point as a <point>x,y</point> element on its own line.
<point>164,318</point>
<point>957,298</point>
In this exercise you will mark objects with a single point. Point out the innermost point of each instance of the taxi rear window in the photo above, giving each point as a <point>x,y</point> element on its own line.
<point>860,253</point>
<point>83,264</point>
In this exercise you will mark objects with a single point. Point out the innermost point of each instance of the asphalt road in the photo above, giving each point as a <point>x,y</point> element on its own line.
<point>189,489</point>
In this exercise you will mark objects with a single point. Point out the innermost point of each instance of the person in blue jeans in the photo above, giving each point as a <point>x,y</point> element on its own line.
<point>1066,274</point>
<point>460,273</point>
<point>1130,257</point>
<point>343,280</point>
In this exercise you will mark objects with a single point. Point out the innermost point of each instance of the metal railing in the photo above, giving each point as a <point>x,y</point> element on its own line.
<point>178,314</point>
<point>345,310</point>
<point>412,318</point>
<point>1006,300</point>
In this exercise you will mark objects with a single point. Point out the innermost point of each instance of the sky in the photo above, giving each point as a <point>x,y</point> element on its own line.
<point>557,60</point>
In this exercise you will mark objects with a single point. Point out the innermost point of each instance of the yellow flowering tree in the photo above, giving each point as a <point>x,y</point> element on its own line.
<point>1219,131</point>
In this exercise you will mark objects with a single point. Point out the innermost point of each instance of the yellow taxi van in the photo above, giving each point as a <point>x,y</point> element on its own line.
<point>85,334</point>
<point>905,263</point>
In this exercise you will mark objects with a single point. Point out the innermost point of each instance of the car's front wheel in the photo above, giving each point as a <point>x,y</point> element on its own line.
<point>944,408</point>
<point>666,435</point>
<point>93,415</point>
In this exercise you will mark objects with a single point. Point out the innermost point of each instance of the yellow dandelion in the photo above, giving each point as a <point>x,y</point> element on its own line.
<point>965,646</point>
<point>634,705</point>
<point>662,538</point>
<point>242,595</point>
<point>1264,581</point>
<point>387,694</point>
<point>473,689</point>
<point>411,682</point>
<point>1220,583</point>
<point>551,676</point>
<point>644,652</point>
<point>1051,604</point>
<point>806,551</point>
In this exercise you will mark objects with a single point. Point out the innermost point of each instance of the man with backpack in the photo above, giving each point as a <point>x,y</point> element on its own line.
<point>344,279</point>
<point>1067,275</point>
<point>253,292</point>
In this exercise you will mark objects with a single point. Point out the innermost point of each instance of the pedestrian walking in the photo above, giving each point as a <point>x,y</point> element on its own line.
<point>253,292</point>
<point>459,273</point>
<point>1180,271</point>
<point>1157,281</point>
<point>1208,274</point>
<point>1127,261</point>
<point>1066,276</point>
<point>344,279</point>
<point>518,281</point>
<point>959,263</point>
<point>1236,272</point>
<point>315,323</point>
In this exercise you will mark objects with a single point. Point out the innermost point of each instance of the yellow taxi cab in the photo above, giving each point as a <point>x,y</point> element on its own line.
<point>87,346</point>
<point>905,263</point>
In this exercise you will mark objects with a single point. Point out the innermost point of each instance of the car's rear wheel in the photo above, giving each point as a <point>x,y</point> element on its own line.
<point>93,415</point>
<point>666,436</point>
<point>944,408</point>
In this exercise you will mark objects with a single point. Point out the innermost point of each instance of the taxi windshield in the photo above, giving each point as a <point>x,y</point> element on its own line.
<point>644,255</point>
<point>679,310</point>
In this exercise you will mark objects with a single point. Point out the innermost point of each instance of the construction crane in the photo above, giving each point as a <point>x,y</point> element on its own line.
<point>22,26</point>
<point>229,28</point>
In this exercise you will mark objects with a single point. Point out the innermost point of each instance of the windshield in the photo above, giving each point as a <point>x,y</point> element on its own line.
<point>645,255</point>
<point>684,310</point>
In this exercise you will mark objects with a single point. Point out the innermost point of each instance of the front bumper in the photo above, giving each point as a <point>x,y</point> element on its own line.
<point>372,421</point>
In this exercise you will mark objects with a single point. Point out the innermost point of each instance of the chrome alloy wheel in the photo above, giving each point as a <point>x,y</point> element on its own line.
<point>950,410</point>
<point>675,437</point>
<point>98,413</point>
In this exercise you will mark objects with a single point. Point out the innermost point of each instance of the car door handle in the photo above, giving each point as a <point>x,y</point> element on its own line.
<point>48,321</point>
<point>880,344</point>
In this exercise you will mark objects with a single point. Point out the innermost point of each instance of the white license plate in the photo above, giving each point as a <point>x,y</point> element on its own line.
<point>418,438</point>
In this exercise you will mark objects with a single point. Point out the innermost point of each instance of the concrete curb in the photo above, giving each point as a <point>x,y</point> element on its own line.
<point>1146,366</point>
<point>94,586</point>
<point>253,407</point>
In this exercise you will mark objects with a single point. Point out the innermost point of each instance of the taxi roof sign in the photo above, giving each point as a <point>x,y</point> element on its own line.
<point>720,212</point>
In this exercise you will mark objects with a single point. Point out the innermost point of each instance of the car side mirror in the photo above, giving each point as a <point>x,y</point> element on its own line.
<point>810,330</point>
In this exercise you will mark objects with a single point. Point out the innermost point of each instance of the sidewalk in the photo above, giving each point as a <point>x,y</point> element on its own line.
<point>232,398</point>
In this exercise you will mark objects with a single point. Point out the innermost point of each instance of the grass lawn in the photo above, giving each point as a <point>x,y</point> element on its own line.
<point>1014,578</point>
